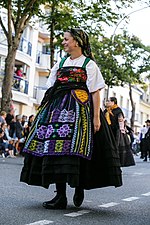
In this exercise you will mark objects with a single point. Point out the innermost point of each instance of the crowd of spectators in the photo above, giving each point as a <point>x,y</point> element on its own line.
<point>13,131</point>
<point>140,141</point>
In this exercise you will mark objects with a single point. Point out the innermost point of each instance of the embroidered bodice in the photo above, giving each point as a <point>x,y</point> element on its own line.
<point>71,74</point>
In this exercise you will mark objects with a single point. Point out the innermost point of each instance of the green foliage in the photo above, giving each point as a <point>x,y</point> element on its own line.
<point>123,60</point>
<point>90,15</point>
<point>19,13</point>
<point>60,16</point>
<point>21,7</point>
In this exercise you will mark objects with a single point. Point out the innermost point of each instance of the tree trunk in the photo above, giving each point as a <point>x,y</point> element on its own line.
<point>52,45</point>
<point>52,37</point>
<point>7,81</point>
<point>133,107</point>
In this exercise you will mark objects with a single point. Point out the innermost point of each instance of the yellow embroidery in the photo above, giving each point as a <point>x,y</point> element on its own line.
<point>84,131</point>
<point>33,145</point>
<point>59,146</point>
<point>81,95</point>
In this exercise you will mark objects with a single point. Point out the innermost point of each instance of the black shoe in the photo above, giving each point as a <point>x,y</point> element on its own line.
<point>145,160</point>
<point>58,202</point>
<point>78,197</point>
<point>51,201</point>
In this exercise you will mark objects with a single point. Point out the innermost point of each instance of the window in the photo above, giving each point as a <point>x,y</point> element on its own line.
<point>46,49</point>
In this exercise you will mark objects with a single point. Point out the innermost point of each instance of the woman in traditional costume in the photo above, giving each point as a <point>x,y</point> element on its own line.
<point>70,141</point>
<point>115,118</point>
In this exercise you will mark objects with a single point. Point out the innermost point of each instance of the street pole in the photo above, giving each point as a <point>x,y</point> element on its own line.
<point>114,33</point>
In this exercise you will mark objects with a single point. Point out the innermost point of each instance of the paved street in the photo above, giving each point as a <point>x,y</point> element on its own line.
<point>21,204</point>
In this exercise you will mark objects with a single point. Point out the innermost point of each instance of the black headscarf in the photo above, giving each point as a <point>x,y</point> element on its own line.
<point>83,40</point>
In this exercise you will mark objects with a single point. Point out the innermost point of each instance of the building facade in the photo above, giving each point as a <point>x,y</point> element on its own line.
<point>33,60</point>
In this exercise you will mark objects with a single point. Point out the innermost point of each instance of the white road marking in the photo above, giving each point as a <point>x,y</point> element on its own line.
<point>78,213</point>
<point>88,201</point>
<point>41,222</point>
<point>146,194</point>
<point>110,204</point>
<point>130,199</point>
<point>136,173</point>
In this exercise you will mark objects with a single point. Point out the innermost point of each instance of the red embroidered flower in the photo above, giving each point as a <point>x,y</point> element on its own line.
<point>63,78</point>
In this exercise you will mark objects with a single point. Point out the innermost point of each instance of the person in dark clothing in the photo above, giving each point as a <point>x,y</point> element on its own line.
<point>8,141</point>
<point>10,116</point>
<point>18,131</point>
<point>143,131</point>
<point>112,114</point>
<point>29,125</point>
<point>70,141</point>
<point>115,118</point>
<point>130,132</point>
<point>10,120</point>
<point>2,144</point>
<point>24,120</point>
<point>147,142</point>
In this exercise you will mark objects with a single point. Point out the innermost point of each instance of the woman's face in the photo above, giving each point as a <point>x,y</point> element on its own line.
<point>69,43</point>
<point>110,103</point>
<point>32,118</point>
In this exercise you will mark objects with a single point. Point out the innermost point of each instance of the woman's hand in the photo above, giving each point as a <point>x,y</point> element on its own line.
<point>97,124</point>
<point>96,111</point>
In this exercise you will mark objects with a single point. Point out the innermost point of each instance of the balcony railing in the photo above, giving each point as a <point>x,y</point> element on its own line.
<point>43,59</point>
<point>25,46</point>
<point>20,84</point>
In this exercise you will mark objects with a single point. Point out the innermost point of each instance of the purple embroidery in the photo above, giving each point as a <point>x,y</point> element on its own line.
<point>50,130</point>
<point>51,145</point>
<point>66,146</point>
<point>40,147</point>
<point>63,101</point>
<point>64,130</point>
<point>67,116</point>
<point>71,116</point>
<point>55,116</point>
<point>41,132</point>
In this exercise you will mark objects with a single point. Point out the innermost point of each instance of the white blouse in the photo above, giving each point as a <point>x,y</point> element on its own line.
<point>94,81</point>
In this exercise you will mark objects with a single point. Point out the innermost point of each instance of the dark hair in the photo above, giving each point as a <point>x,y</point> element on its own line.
<point>113,99</point>
<point>1,130</point>
<point>31,116</point>
<point>3,123</point>
<point>83,40</point>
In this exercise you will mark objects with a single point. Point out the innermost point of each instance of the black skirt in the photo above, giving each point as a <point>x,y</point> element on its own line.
<point>125,152</point>
<point>102,170</point>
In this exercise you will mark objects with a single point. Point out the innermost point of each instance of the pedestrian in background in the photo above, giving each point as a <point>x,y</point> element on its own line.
<point>147,141</point>
<point>115,118</point>
<point>3,115</point>
<point>112,113</point>
<point>130,133</point>
<point>3,152</point>
<point>19,132</point>
<point>70,141</point>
